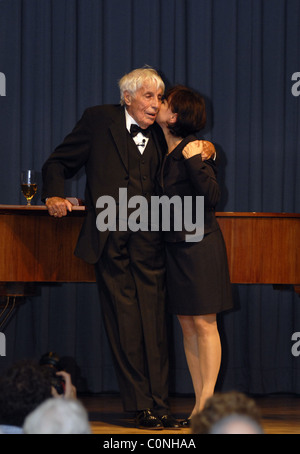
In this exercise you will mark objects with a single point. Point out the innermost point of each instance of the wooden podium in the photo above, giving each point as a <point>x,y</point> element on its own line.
<point>263,248</point>
<point>37,248</point>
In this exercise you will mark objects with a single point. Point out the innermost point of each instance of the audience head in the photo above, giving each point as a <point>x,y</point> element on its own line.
<point>23,386</point>
<point>58,416</point>
<point>222,405</point>
<point>236,424</point>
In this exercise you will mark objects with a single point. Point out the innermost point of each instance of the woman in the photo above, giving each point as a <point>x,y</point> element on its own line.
<point>198,281</point>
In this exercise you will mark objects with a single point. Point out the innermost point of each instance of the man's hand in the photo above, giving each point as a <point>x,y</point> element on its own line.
<point>203,147</point>
<point>208,151</point>
<point>58,207</point>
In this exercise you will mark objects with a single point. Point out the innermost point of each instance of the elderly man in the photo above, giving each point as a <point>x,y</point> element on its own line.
<point>129,264</point>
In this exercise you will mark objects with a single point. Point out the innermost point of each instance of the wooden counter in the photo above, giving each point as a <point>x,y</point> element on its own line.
<point>263,248</point>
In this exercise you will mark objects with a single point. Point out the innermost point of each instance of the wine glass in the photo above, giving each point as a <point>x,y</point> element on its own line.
<point>28,184</point>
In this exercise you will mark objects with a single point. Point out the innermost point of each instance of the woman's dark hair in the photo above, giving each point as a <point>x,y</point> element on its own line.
<point>190,108</point>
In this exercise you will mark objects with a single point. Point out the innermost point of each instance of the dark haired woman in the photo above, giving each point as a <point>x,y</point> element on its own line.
<point>198,281</point>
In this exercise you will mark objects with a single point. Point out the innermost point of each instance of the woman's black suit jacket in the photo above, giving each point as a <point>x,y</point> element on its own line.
<point>190,178</point>
<point>99,143</point>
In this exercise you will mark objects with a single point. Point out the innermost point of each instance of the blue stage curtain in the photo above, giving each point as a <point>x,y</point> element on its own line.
<point>61,56</point>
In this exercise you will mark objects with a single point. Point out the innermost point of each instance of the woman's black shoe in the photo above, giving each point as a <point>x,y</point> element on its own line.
<point>169,422</point>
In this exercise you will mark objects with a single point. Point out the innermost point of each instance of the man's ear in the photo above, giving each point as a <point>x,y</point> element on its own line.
<point>127,98</point>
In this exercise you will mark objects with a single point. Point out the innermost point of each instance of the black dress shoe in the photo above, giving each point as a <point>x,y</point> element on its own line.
<point>169,422</point>
<point>146,419</point>
<point>186,423</point>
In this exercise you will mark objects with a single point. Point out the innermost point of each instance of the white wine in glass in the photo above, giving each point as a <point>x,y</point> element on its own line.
<point>28,184</point>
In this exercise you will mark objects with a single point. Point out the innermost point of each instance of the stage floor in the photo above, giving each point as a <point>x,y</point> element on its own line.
<point>280,414</point>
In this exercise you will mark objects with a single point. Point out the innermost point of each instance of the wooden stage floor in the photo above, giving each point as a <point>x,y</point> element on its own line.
<point>280,414</point>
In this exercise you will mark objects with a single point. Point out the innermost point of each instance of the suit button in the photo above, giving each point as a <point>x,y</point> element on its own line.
<point>144,177</point>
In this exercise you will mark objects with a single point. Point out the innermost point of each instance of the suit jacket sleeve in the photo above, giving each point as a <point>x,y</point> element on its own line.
<point>203,178</point>
<point>67,158</point>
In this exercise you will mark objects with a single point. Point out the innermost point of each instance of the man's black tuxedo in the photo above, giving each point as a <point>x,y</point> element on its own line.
<point>129,265</point>
<point>99,143</point>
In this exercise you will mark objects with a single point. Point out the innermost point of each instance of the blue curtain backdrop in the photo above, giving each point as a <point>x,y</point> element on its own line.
<point>61,56</point>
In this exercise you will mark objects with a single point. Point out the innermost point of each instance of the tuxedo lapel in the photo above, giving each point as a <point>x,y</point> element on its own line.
<point>119,134</point>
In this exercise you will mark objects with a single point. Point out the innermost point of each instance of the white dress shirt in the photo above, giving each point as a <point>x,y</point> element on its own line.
<point>140,140</point>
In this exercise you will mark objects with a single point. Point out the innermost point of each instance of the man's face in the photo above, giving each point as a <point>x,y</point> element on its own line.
<point>145,104</point>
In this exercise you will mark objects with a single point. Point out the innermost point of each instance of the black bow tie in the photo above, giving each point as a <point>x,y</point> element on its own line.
<point>135,129</point>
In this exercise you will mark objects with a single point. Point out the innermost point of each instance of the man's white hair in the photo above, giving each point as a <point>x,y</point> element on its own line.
<point>134,80</point>
<point>58,416</point>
